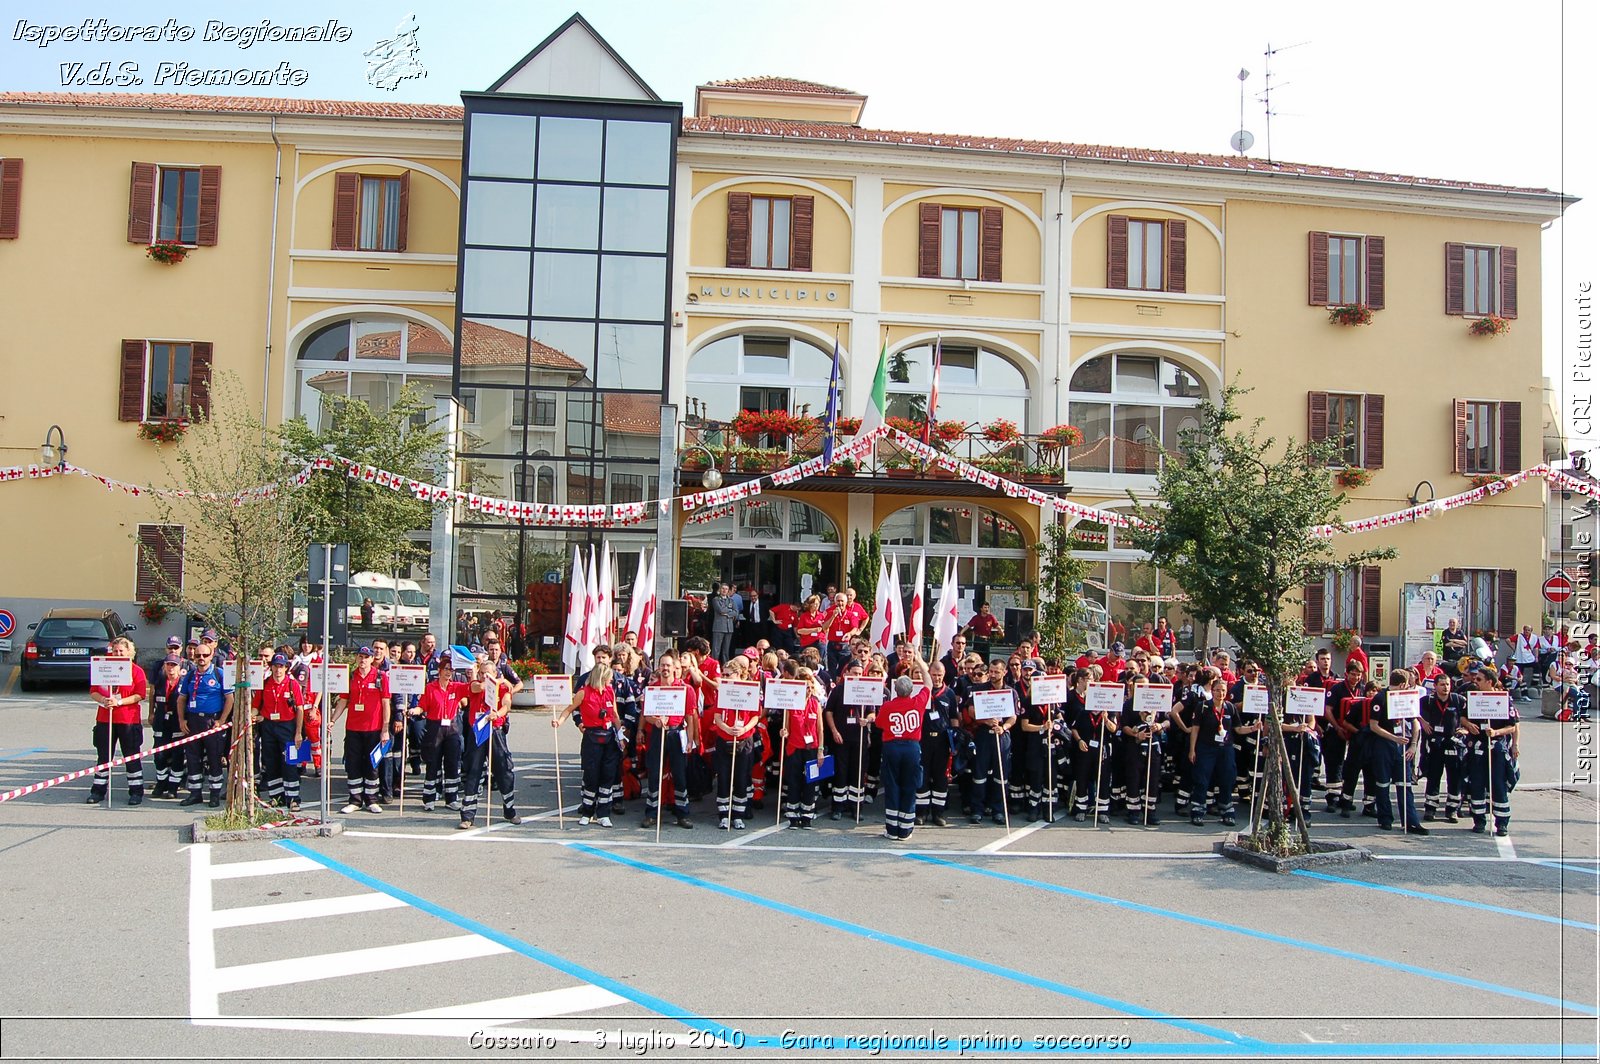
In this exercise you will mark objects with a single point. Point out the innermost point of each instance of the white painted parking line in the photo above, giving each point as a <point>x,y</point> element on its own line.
<point>247,915</point>
<point>1503,845</point>
<point>202,944</point>
<point>745,840</point>
<point>354,962</point>
<point>273,867</point>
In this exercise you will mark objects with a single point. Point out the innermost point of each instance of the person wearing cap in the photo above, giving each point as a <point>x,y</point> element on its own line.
<point>205,702</point>
<point>163,721</point>
<point>280,708</point>
<point>119,724</point>
<point>368,705</point>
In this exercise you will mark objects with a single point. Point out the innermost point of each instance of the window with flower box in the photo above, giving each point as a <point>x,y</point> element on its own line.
<point>1488,437</point>
<point>164,380</point>
<point>1349,598</point>
<point>1480,280</point>
<point>1345,269</point>
<point>1354,422</point>
<point>174,203</point>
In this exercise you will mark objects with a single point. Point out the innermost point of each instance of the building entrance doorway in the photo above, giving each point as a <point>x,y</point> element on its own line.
<point>784,548</point>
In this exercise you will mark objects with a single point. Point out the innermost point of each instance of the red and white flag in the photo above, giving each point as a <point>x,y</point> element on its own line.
<point>572,642</point>
<point>944,620</point>
<point>647,616</point>
<point>918,601</point>
<point>591,614</point>
<point>882,618</point>
<point>897,605</point>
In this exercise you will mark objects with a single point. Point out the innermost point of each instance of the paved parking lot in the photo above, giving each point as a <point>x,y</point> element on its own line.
<point>407,939</point>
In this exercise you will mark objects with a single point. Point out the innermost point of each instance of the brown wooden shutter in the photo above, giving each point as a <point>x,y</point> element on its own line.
<point>1372,432</point>
<point>928,240</point>
<point>1508,282</point>
<point>1177,232</point>
<point>802,217</point>
<point>1505,621</point>
<point>1317,269</point>
<point>130,404</point>
<point>1460,422</point>
<point>1455,278</point>
<point>1116,251</point>
<point>1455,576</point>
<point>405,212</point>
<point>158,570</point>
<point>1374,251</point>
<point>738,230</point>
<point>1510,437</point>
<point>1313,609</point>
<point>1371,599</point>
<point>200,381</point>
<point>1316,416</point>
<point>10,198</point>
<point>346,198</point>
<point>205,230</point>
<point>142,204</point>
<point>993,229</point>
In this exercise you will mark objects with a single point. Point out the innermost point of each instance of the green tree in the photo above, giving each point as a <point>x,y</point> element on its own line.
<point>1235,530</point>
<point>866,557</point>
<point>374,520</point>
<point>1061,619</point>
<point>241,554</point>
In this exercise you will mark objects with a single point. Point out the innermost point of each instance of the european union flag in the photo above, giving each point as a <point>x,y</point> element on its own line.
<point>831,420</point>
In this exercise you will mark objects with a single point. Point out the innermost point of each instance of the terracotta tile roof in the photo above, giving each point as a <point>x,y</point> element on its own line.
<point>178,101</point>
<point>778,83</point>
<point>788,128</point>
<point>483,345</point>
<point>633,415</point>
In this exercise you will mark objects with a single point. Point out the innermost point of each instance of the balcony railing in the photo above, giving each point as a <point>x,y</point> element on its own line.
<point>1024,458</point>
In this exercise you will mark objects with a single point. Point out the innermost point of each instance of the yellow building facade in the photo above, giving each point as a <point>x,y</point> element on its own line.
<point>1059,284</point>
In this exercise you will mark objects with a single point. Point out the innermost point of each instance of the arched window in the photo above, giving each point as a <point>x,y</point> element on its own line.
<point>1127,404</point>
<point>976,385</point>
<point>752,371</point>
<point>768,522</point>
<point>367,358</point>
<point>988,547</point>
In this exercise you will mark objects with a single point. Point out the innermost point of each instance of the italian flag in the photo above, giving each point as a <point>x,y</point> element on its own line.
<point>878,399</point>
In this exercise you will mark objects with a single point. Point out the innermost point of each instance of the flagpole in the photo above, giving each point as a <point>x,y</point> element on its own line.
<point>783,739</point>
<point>1099,763</point>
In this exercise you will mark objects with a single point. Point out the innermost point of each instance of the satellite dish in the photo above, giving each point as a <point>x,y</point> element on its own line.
<point>1241,141</point>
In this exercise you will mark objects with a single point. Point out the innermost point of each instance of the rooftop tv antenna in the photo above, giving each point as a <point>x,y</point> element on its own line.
<point>1243,139</point>
<point>1266,92</point>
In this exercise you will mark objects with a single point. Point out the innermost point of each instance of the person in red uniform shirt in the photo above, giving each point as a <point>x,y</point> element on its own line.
<point>900,720</point>
<point>802,744</point>
<point>279,706</point>
<point>1356,655</point>
<point>811,624</point>
<point>784,618</point>
<point>487,693</point>
<point>680,734</point>
<point>368,705</point>
<point>983,629</point>
<point>441,704</point>
<point>1113,664</point>
<point>119,723</point>
<point>596,706</point>
<point>735,754</point>
<point>1427,669</point>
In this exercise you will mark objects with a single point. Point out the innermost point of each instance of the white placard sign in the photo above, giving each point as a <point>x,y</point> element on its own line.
<point>1257,701</point>
<point>665,701</point>
<point>257,673</point>
<point>786,695</point>
<point>1405,704</point>
<point>1104,698</point>
<point>1306,701</point>
<point>993,705</point>
<point>1152,698</point>
<point>338,679</point>
<point>552,690</point>
<point>230,674</point>
<point>407,679</point>
<point>867,692</point>
<point>740,696</point>
<point>1488,705</point>
<point>110,672</point>
<point>1049,690</point>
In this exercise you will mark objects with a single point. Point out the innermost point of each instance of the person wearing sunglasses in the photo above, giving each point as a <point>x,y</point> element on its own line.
<point>204,702</point>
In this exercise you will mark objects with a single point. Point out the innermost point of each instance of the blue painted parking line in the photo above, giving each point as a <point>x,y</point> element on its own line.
<point>1267,936</point>
<point>1522,914</point>
<point>664,1008</point>
<point>12,755</point>
<point>874,935</point>
<point>1564,866</point>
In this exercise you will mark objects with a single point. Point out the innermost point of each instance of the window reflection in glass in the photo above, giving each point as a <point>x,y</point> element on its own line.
<point>633,287</point>
<point>569,149</point>
<point>563,284</point>
<point>568,216</point>
<point>638,153</point>
<point>494,282</point>
<point>635,219</point>
<point>502,146</point>
<point>630,356</point>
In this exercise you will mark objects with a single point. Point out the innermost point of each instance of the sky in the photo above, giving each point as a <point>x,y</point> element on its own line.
<point>1468,90</point>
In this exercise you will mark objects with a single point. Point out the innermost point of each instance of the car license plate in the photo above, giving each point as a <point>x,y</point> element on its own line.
<point>72,652</point>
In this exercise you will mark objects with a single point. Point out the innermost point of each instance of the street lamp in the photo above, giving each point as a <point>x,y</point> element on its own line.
<point>711,479</point>
<point>1416,493</point>
<point>54,454</point>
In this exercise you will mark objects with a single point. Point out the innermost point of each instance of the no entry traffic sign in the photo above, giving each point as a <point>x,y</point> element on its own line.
<point>8,624</point>
<point>1557,589</point>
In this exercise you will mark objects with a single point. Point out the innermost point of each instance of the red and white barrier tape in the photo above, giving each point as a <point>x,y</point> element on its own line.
<point>34,788</point>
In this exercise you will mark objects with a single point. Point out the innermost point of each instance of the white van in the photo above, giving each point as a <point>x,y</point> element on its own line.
<point>378,588</point>
<point>413,609</point>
